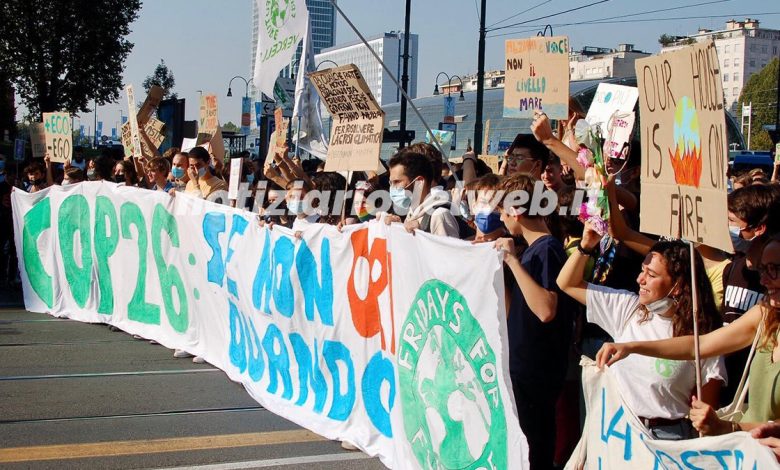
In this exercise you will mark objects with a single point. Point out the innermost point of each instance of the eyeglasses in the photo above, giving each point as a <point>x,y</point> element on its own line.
<point>769,270</point>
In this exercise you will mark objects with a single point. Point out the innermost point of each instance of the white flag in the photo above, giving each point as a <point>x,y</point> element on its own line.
<point>309,135</point>
<point>282,26</point>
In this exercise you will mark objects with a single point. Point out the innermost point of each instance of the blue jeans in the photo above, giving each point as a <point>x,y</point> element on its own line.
<point>674,432</point>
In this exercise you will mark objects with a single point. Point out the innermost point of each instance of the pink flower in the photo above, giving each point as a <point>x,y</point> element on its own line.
<point>584,157</point>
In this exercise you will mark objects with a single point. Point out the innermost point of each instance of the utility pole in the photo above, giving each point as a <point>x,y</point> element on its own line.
<point>94,136</point>
<point>480,78</point>
<point>405,74</point>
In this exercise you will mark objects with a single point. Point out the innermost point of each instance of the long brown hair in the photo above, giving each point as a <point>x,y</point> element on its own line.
<point>771,315</point>
<point>677,259</point>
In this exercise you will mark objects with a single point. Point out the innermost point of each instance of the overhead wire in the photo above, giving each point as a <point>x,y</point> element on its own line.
<point>581,7</point>
<point>519,13</point>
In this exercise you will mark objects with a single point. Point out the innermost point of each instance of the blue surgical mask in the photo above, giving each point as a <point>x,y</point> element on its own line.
<point>202,172</point>
<point>740,244</point>
<point>296,206</point>
<point>177,172</point>
<point>250,178</point>
<point>400,198</point>
<point>488,222</point>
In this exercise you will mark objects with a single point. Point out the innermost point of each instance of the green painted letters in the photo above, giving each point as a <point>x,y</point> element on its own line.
<point>138,309</point>
<point>106,239</point>
<point>36,220</point>
<point>73,217</point>
<point>163,221</point>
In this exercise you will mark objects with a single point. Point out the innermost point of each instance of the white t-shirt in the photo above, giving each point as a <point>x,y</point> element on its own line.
<point>653,388</point>
<point>302,223</point>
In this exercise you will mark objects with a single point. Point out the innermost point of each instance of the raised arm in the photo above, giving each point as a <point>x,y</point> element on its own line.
<point>620,230</point>
<point>725,340</point>
<point>571,278</point>
<point>543,133</point>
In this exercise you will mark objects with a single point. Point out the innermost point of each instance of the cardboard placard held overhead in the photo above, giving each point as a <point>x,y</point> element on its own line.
<point>209,115</point>
<point>356,138</point>
<point>59,136</point>
<point>150,105</point>
<point>491,161</point>
<point>38,140</point>
<point>281,126</point>
<point>537,77</point>
<point>135,136</point>
<point>684,146</point>
<point>612,111</point>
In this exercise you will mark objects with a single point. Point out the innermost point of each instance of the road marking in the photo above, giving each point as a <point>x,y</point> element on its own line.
<point>155,446</point>
<point>110,374</point>
<point>279,462</point>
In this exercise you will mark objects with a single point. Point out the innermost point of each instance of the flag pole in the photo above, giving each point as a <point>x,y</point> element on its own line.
<point>434,141</point>
<point>695,301</point>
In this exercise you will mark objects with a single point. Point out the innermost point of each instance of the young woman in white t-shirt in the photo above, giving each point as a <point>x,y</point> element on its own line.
<point>658,391</point>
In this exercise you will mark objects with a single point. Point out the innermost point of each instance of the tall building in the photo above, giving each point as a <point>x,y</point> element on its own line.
<point>743,49</point>
<point>389,46</point>
<point>323,22</point>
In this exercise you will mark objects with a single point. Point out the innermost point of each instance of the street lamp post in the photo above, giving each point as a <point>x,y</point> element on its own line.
<point>449,85</point>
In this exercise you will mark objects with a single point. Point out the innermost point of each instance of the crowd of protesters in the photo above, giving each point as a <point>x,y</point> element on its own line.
<point>569,291</point>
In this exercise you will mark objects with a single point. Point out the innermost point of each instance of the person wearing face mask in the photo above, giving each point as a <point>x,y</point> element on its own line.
<point>299,207</point>
<point>487,218</point>
<point>661,310</point>
<point>179,165</point>
<point>37,176</point>
<point>411,189</point>
<point>201,181</point>
<point>764,374</point>
<point>72,176</point>
<point>125,174</point>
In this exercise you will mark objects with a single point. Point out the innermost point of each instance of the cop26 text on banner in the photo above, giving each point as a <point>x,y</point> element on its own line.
<point>684,149</point>
<point>282,26</point>
<point>537,77</point>
<point>369,335</point>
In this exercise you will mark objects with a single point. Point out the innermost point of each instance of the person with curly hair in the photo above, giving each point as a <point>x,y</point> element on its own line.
<point>661,310</point>
<point>764,375</point>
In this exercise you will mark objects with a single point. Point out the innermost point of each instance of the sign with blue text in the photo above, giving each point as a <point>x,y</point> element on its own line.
<point>369,334</point>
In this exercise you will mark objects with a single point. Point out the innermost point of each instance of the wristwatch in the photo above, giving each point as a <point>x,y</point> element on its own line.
<point>592,253</point>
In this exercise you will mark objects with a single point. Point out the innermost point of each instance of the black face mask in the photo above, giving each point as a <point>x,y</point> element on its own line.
<point>119,178</point>
<point>37,182</point>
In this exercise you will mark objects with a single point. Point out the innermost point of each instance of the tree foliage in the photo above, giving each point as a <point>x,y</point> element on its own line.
<point>63,54</point>
<point>666,40</point>
<point>230,127</point>
<point>761,92</point>
<point>163,78</point>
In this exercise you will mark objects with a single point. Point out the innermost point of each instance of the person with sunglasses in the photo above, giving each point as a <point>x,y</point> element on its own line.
<point>764,375</point>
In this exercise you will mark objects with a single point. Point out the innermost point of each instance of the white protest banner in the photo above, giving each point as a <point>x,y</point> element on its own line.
<point>38,140</point>
<point>282,26</point>
<point>684,146</point>
<point>612,111</point>
<point>356,138</point>
<point>59,136</point>
<point>408,360</point>
<point>235,177</point>
<point>615,439</point>
<point>135,137</point>
<point>537,77</point>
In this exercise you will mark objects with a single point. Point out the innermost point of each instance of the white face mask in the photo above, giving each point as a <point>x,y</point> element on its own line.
<point>662,305</point>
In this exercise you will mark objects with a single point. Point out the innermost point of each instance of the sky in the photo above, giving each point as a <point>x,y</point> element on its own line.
<point>207,42</point>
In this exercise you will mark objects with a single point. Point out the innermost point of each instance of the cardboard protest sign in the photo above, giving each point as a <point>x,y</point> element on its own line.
<point>612,110</point>
<point>152,136</point>
<point>135,136</point>
<point>127,139</point>
<point>59,136</point>
<point>356,138</point>
<point>209,115</point>
<point>281,125</point>
<point>235,177</point>
<point>38,140</point>
<point>684,146</point>
<point>491,161</point>
<point>150,105</point>
<point>537,77</point>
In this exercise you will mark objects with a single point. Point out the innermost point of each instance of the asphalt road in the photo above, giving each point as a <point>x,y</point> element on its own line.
<point>76,395</point>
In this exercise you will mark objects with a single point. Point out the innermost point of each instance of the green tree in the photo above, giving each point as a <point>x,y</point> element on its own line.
<point>761,92</point>
<point>230,127</point>
<point>63,54</point>
<point>665,40</point>
<point>163,78</point>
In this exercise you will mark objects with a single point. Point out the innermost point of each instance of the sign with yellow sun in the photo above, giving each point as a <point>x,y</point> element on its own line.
<point>684,148</point>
